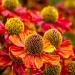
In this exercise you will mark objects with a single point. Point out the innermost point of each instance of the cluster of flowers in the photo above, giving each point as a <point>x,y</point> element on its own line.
<point>32,42</point>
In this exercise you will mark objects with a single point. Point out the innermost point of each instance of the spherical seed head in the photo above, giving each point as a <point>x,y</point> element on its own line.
<point>34,44</point>
<point>71,68</point>
<point>53,70</point>
<point>10,4</point>
<point>54,36</point>
<point>49,14</point>
<point>14,26</point>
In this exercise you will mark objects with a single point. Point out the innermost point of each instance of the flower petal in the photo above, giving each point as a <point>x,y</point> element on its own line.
<point>25,34</point>
<point>16,40</point>
<point>48,47</point>
<point>22,71</point>
<point>67,45</point>
<point>23,37</point>
<point>66,49</point>
<point>51,59</point>
<point>29,61</point>
<point>17,52</point>
<point>4,59</point>
<point>15,69</point>
<point>38,62</point>
<point>2,31</point>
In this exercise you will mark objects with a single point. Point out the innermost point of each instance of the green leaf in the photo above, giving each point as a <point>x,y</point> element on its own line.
<point>53,2</point>
<point>70,37</point>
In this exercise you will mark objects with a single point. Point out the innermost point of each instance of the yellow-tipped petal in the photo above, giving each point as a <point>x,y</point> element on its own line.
<point>48,47</point>
<point>23,36</point>
<point>38,62</point>
<point>16,40</point>
<point>51,59</point>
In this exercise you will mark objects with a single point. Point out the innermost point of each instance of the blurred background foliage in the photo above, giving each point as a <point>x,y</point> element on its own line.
<point>53,2</point>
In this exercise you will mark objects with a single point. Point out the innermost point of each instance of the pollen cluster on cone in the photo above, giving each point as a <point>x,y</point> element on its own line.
<point>49,14</point>
<point>34,44</point>
<point>71,68</point>
<point>54,37</point>
<point>53,70</point>
<point>14,26</point>
<point>10,4</point>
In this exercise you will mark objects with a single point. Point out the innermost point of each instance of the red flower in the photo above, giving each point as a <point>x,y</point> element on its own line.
<point>7,60</point>
<point>62,24</point>
<point>35,17</point>
<point>28,59</point>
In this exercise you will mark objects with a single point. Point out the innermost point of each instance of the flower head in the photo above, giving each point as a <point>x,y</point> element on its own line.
<point>34,44</point>
<point>14,26</point>
<point>70,67</point>
<point>54,36</point>
<point>49,14</point>
<point>10,4</point>
<point>34,53</point>
<point>53,70</point>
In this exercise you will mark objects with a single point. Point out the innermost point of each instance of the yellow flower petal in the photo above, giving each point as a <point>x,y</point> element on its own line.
<point>23,36</point>
<point>38,62</point>
<point>48,47</point>
<point>16,40</point>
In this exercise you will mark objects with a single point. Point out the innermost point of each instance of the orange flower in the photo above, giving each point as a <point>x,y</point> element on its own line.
<point>66,49</point>
<point>33,59</point>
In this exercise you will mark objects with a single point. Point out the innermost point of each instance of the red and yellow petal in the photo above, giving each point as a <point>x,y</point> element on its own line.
<point>29,61</point>
<point>51,59</point>
<point>67,45</point>
<point>23,36</point>
<point>16,40</point>
<point>17,52</point>
<point>64,53</point>
<point>48,47</point>
<point>38,62</point>
<point>65,50</point>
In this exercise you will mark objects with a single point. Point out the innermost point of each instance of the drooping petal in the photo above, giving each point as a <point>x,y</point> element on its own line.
<point>17,52</point>
<point>25,34</point>
<point>16,40</point>
<point>15,69</point>
<point>51,59</point>
<point>67,45</point>
<point>48,47</point>
<point>66,49</point>
<point>4,59</point>
<point>38,62</point>
<point>23,37</point>
<point>2,31</point>
<point>29,61</point>
<point>22,71</point>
